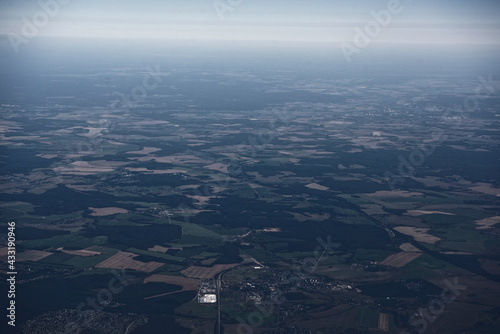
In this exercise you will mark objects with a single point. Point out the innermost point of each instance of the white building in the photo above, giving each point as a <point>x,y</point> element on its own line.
<point>207,298</point>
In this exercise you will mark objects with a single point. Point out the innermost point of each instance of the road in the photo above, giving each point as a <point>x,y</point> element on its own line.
<point>218,285</point>
<point>435,254</point>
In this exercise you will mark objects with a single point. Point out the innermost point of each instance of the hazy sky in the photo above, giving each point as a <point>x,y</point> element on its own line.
<point>420,21</point>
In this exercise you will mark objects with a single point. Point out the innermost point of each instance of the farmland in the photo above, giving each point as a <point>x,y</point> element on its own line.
<point>288,184</point>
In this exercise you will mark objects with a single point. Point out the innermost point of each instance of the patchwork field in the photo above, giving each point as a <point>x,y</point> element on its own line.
<point>81,252</point>
<point>106,211</point>
<point>487,223</point>
<point>206,272</point>
<point>344,197</point>
<point>32,255</point>
<point>400,259</point>
<point>187,284</point>
<point>125,260</point>
<point>419,234</point>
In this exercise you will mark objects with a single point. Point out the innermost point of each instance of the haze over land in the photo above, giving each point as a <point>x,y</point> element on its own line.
<point>144,149</point>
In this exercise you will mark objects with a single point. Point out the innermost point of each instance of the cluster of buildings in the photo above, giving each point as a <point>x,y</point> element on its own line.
<point>207,292</point>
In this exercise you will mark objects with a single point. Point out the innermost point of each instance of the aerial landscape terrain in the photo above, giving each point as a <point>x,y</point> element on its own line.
<point>199,187</point>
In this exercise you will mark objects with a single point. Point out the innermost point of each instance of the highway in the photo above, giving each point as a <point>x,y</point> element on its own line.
<point>218,285</point>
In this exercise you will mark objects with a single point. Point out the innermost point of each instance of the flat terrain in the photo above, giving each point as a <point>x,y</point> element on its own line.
<point>399,260</point>
<point>327,198</point>
<point>206,272</point>
<point>125,260</point>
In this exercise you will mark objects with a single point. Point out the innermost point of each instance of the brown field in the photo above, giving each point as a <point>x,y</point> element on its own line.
<point>32,255</point>
<point>106,211</point>
<point>86,168</point>
<point>316,186</point>
<point>407,247</point>
<point>174,159</point>
<point>4,251</point>
<point>401,259</point>
<point>93,132</point>
<point>80,252</point>
<point>114,142</point>
<point>414,213</point>
<point>296,139</point>
<point>356,166</point>
<point>418,233</point>
<point>124,260</point>
<point>47,156</point>
<point>202,200</point>
<point>383,322</point>
<point>161,249</point>
<point>312,153</point>
<point>155,171</point>
<point>9,126</point>
<point>370,142</point>
<point>431,181</point>
<point>487,223</point>
<point>219,167</point>
<point>271,229</point>
<point>485,188</point>
<point>395,193</point>
<point>208,261</point>
<point>217,189</point>
<point>186,283</point>
<point>81,187</point>
<point>453,206</point>
<point>339,122</point>
<point>187,211</point>
<point>3,142</point>
<point>206,272</point>
<point>10,188</point>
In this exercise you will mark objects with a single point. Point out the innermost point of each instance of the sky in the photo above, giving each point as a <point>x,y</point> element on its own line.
<point>332,21</point>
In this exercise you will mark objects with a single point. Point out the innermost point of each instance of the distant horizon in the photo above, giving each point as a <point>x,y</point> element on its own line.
<point>425,22</point>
